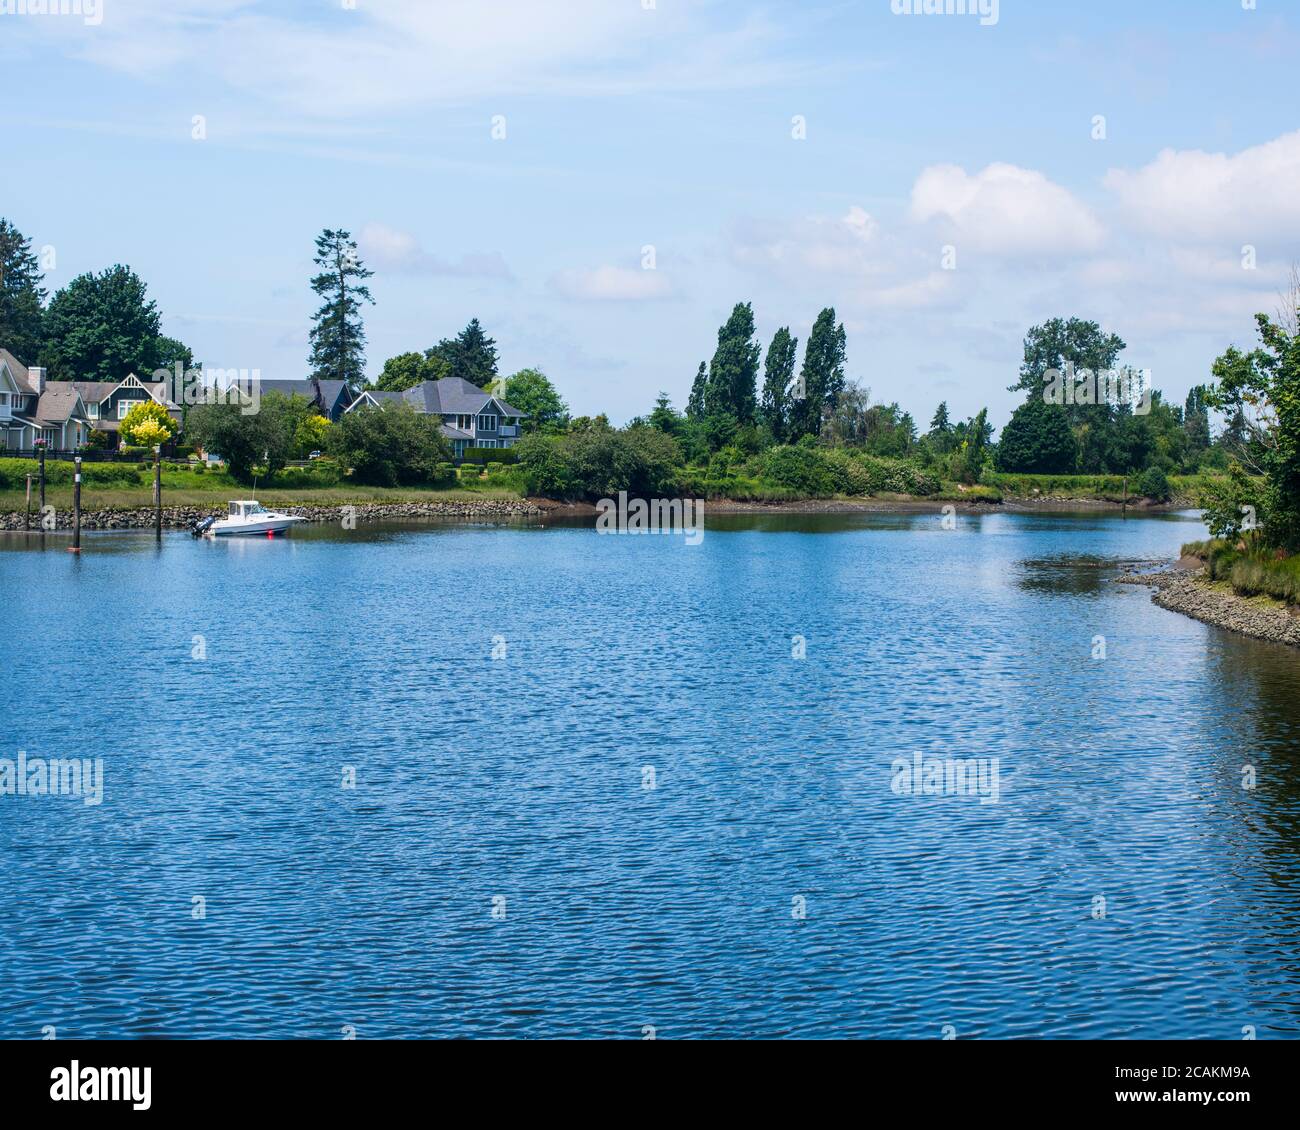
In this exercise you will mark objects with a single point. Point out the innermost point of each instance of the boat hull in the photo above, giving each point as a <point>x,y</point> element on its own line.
<point>251,529</point>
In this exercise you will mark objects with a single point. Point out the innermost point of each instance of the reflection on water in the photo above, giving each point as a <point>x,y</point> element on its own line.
<point>524,778</point>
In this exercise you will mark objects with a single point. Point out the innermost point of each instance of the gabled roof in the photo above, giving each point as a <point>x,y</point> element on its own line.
<point>376,397</point>
<point>331,390</point>
<point>454,396</point>
<point>92,392</point>
<point>18,371</point>
<point>59,403</point>
<point>96,392</point>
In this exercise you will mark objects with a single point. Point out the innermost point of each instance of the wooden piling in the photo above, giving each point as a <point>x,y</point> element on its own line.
<point>76,504</point>
<point>157,491</point>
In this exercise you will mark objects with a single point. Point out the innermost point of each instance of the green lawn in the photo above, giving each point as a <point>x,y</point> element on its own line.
<point>94,498</point>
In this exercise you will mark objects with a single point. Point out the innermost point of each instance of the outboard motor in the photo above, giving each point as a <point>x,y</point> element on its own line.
<point>201,526</point>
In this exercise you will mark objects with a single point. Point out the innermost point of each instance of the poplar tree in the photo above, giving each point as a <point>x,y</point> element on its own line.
<point>778,373</point>
<point>695,403</point>
<point>733,374</point>
<point>821,380</point>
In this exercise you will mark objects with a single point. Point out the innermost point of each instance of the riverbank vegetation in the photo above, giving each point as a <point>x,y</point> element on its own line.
<point>778,423</point>
<point>1249,570</point>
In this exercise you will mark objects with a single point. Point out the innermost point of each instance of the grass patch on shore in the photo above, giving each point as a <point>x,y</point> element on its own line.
<point>1249,571</point>
<point>109,498</point>
<point>1106,488</point>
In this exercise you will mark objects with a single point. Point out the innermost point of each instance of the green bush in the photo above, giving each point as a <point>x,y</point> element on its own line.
<point>496,454</point>
<point>323,473</point>
<point>389,446</point>
<point>1154,485</point>
<point>802,469</point>
<point>58,472</point>
<point>598,461</point>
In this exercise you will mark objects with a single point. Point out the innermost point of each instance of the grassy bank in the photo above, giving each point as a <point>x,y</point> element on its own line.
<point>125,486</point>
<point>1248,571</point>
<point>1103,488</point>
<point>129,486</point>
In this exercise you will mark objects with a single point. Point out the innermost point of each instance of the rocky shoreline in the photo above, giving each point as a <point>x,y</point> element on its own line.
<point>182,517</point>
<point>1186,590</point>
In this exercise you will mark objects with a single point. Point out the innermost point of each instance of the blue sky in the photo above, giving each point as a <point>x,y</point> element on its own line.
<point>672,127</point>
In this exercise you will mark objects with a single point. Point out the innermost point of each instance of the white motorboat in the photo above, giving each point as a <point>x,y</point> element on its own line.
<point>247,516</point>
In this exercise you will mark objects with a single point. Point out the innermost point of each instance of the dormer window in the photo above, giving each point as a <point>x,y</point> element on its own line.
<point>93,411</point>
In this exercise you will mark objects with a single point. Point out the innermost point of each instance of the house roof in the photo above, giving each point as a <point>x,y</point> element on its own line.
<point>96,392</point>
<point>330,390</point>
<point>59,403</point>
<point>92,392</point>
<point>454,396</point>
<point>380,397</point>
<point>18,370</point>
<point>455,433</point>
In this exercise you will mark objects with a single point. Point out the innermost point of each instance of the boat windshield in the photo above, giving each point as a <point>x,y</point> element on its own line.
<point>241,509</point>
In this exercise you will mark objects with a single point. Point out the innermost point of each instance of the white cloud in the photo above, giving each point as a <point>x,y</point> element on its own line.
<point>329,62</point>
<point>815,245</point>
<point>1005,211</point>
<point>1193,195</point>
<point>616,284</point>
<point>399,252</point>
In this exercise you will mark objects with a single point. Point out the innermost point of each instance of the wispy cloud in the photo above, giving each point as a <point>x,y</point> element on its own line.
<point>394,251</point>
<point>611,284</point>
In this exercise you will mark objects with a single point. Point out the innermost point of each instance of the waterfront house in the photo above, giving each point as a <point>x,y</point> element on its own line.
<point>471,416</point>
<point>332,398</point>
<point>108,402</point>
<point>33,408</point>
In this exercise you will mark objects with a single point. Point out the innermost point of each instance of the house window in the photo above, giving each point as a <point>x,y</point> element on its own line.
<point>123,407</point>
<point>487,423</point>
<point>93,410</point>
<point>465,423</point>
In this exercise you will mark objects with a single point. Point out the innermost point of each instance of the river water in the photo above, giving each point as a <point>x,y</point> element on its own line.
<point>450,780</point>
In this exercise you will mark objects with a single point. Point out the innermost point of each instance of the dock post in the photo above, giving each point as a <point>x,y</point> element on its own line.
<point>76,504</point>
<point>157,491</point>
<point>27,522</point>
<point>42,478</point>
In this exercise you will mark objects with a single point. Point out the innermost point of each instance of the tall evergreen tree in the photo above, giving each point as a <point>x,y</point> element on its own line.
<point>941,432</point>
<point>778,373</point>
<point>733,373</point>
<point>695,403</point>
<point>470,355</point>
<point>1196,420</point>
<point>21,295</point>
<point>338,338</point>
<point>101,328</point>
<point>821,380</point>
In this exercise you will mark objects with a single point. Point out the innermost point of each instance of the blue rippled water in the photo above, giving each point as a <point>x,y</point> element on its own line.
<point>770,884</point>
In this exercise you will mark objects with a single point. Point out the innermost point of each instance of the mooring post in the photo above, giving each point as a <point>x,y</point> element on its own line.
<point>27,522</point>
<point>42,450</point>
<point>157,491</point>
<point>76,504</point>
